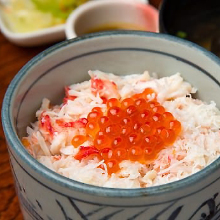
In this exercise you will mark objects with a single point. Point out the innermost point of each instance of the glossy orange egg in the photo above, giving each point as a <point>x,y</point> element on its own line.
<point>135,129</point>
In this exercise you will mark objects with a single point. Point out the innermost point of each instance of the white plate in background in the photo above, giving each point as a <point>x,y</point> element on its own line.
<point>35,38</point>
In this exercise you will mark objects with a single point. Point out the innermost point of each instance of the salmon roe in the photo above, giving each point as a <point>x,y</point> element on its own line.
<point>135,129</point>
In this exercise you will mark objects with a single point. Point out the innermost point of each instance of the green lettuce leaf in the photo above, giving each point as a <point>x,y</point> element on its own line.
<point>58,8</point>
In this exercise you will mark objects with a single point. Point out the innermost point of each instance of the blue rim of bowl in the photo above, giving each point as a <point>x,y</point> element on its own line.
<point>18,148</point>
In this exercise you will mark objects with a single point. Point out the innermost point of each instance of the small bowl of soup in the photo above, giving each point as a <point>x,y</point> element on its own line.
<point>196,21</point>
<point>108,15</point>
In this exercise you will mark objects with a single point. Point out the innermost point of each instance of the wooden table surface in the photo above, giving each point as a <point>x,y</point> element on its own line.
<point>12,58</point>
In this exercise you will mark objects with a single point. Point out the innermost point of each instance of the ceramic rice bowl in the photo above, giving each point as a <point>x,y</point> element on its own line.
<point>44,194</point>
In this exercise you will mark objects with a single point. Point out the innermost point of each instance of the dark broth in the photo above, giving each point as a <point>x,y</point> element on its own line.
<point>199,22</point>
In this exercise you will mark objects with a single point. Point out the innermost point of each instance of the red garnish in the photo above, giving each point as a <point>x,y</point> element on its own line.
<point>62,123</point>
<point>46,123</point>
<point>85,152</point>
<point>104,100</point>
<point>57,157</point>
<point>81,123</point>
<point>96,85</point>
<point>70,124</point>
<point>68,96</point>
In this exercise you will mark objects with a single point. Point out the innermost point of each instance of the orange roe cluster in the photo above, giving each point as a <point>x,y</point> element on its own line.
<point>134,129</point>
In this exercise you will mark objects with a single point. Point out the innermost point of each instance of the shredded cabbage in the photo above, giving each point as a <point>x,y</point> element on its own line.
<point>58,8</point>
<point>23,16</point>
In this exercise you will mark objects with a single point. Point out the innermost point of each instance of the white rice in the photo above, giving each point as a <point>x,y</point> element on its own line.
<point>195,148</point>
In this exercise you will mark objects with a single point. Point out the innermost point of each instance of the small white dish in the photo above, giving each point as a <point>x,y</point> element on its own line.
<point>99,15</point>
<point>36,38</point>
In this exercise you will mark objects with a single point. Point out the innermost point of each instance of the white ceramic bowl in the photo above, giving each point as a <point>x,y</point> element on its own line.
<point>45,194</point>
<point>35,38</point>
<point>41,37</point>
<point>97,14</point>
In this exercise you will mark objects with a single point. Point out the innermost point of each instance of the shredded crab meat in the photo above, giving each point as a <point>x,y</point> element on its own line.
<point>196,147</point>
